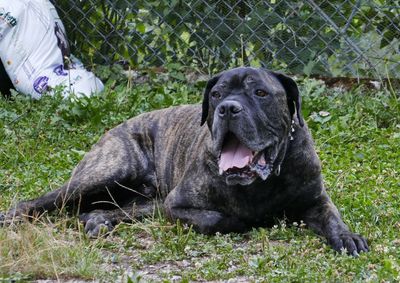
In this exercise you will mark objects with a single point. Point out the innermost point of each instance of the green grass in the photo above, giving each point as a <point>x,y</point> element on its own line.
<point>357,135</point>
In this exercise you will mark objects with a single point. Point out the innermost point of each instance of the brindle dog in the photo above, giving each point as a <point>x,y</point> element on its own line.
<point>252,162</point>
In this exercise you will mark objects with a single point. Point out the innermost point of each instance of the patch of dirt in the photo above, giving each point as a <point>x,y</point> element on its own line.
<point>66,281</point>
<point>129,262</point>
<point>348,83</point>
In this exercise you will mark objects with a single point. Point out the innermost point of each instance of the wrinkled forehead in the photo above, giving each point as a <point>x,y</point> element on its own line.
<point>243,77</point>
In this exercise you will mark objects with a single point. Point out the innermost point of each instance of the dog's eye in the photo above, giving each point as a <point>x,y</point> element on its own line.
<point>250,79</point>
<point>216,95</point>
<point>261,93</point>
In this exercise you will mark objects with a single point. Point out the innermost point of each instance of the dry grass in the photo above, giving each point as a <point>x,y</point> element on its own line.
<point>46,249</point>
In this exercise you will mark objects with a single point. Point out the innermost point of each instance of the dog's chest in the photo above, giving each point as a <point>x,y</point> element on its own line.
<point>255,204</point>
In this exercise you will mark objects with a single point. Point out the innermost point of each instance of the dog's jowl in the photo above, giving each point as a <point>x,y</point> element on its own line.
<point>242,159</point>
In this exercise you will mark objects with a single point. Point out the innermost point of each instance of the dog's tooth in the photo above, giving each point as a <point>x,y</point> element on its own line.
<point>261,161</point>
<point>221,171</point>
<point>264,176</point>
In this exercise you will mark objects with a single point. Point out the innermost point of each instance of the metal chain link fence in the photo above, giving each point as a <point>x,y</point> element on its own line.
<point>333,38</point>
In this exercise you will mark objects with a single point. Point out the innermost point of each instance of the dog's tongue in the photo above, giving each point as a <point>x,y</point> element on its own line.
<point>234,154</point>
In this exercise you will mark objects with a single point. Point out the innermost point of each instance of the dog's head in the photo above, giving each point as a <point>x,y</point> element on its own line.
<point>249,113</point>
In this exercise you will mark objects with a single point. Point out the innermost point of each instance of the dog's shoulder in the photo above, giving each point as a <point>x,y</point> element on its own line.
<point>173,114</point>
<point>157,121</point>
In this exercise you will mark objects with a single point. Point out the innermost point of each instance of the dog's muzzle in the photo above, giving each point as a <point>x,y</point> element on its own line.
<point>238,161</point>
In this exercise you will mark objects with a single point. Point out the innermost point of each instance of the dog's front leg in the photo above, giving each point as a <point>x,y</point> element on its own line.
<point>325,219</point>
<point>182,205</point>
<point>207,221</point>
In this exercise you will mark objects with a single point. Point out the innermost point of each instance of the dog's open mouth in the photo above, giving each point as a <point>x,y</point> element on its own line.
<point>239,160</point>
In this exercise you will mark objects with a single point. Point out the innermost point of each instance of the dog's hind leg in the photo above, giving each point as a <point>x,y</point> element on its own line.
<point>115,163</point>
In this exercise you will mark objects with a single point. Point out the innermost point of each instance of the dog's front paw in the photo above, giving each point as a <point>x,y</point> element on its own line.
<point>96,225</point>
<point>352,243</point>
<point>12,217</point>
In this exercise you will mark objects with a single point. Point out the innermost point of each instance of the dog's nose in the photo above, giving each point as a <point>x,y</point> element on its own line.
<point>229,108</point>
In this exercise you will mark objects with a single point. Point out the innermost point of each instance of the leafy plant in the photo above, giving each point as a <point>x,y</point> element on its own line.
<point>333,38</point>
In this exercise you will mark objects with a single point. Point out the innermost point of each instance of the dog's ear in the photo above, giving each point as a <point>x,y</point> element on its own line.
<point>206,98</point>
<point>293,95</point>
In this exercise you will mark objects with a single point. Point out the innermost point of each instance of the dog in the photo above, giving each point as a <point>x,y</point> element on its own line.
<point>241,159</point>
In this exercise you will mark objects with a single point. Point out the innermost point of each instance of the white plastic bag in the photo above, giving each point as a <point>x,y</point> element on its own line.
<point>32,48</point>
